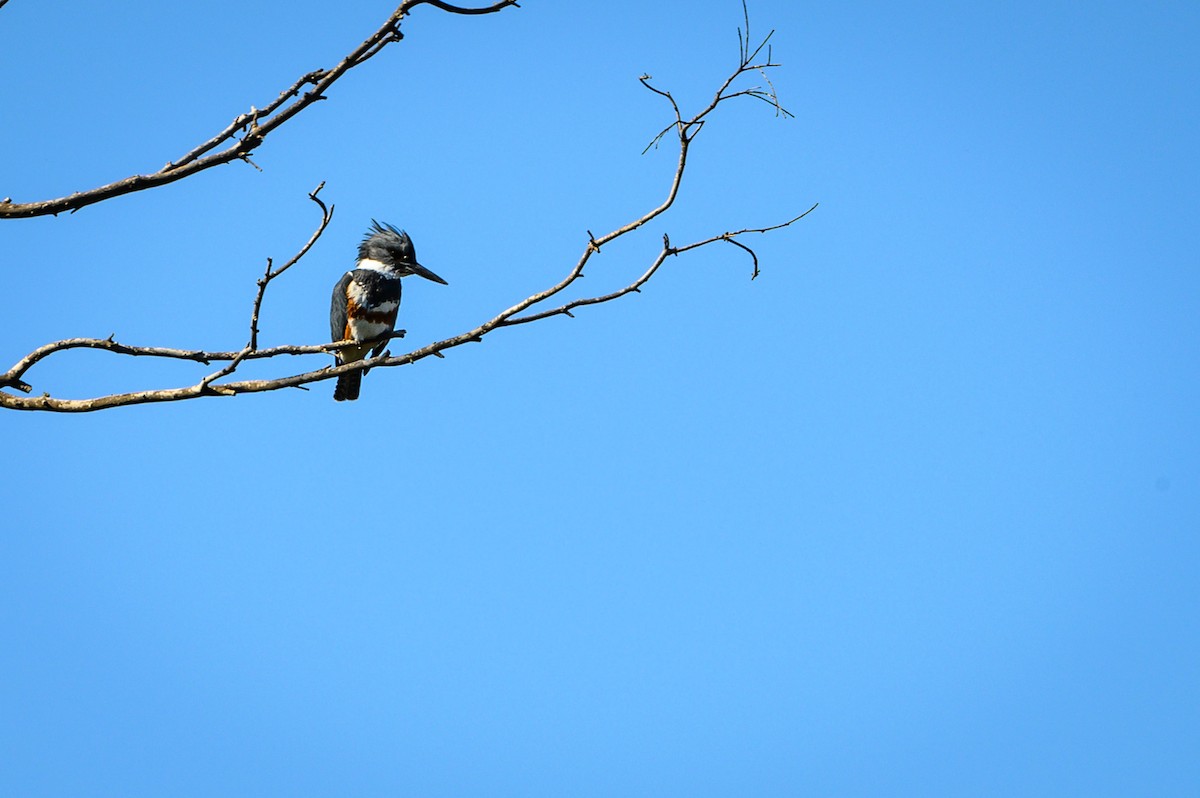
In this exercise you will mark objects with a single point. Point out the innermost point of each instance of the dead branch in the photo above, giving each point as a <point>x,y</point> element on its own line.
<point>523,312</point>
<point>247,130</point>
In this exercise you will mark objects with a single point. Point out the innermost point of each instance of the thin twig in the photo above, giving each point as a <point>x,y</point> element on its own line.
<point>326,217</point>
<point>252,345</point>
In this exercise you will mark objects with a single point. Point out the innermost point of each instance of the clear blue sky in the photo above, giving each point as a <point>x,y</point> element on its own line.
<point>914,513</point>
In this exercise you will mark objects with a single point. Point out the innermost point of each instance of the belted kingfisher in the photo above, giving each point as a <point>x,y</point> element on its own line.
<point>367,298</point>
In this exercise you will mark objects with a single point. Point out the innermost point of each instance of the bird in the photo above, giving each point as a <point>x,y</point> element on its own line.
<point>367,298</point>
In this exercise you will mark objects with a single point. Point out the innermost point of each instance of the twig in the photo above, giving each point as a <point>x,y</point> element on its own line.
<point>326,217</point>
<point>252,345</point>
<point>732,237</point>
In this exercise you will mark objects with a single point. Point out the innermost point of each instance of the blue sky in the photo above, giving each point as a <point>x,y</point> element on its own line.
<point>913,513</point>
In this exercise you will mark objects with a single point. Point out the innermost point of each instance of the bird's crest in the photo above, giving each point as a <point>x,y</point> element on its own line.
<point>384,229</point>
<point>387,237</point>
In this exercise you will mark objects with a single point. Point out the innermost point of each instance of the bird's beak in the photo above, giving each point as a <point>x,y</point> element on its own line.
<point>421,271</point>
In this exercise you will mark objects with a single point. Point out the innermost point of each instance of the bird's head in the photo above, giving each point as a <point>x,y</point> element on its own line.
<point>393,249</point>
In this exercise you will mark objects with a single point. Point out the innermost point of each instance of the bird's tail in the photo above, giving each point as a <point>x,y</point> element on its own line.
<point>347,386</point>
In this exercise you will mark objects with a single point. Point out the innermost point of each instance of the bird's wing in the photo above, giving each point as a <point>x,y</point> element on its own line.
<point>337,309</point>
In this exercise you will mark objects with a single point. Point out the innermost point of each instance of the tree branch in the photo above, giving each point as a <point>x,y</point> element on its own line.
<point>523,312</point>
<point>253,126</point>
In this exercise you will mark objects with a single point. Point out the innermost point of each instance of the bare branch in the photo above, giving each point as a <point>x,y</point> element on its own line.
<point>666,250</point>
<point>12,378</point>
<point>254,125</point>
<point>326,217</point>
<point>730,237</point>
<point>263,282</point>
<point>522,312</point>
